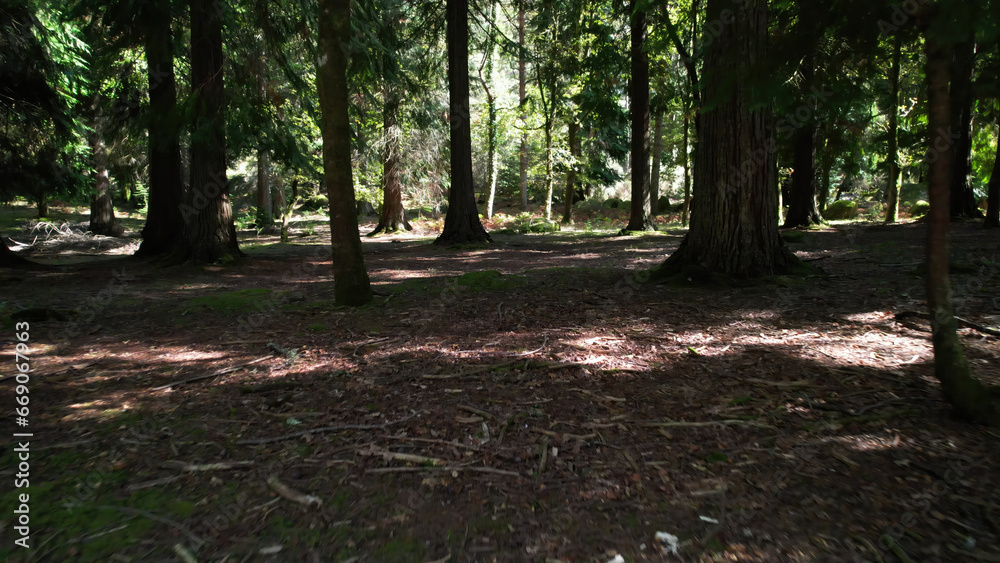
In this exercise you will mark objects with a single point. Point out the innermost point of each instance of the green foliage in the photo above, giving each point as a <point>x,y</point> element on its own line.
<point>919,209</point>
<point>488,280</point>
<point>233,302</point>
<point>841,209</point>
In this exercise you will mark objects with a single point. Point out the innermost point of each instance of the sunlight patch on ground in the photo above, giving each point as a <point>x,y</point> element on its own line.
<point>869,442</point>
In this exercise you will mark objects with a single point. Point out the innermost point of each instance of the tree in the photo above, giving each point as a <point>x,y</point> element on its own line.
<point>961,101</point>
<point>640,216</point>
<point>209,230</point>
<point>461,224</point>
<point>892,189</point>
<point>734,224</point>
<point>350,277</point>
<point>522,103</point>
<point>970,399</point>
<point>571,174</point>
<point>393,216</point>
<point>102,210</point>
<point>164,224</point>
<point>486,80</point>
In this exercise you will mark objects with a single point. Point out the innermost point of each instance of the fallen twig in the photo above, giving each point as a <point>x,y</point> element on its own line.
<point>257,441</point>
<point>432,441</point>
<point>474,410</point>
<point>417,469</point>
<point>699,424</point>
<point>563,436</point>
<point>209,375</point>
<point>221,466</point>
<point>291,494</point>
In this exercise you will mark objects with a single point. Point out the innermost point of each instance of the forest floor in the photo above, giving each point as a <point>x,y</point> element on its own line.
<point>530,400</point>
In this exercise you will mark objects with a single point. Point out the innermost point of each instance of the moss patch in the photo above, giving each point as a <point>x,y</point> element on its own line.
<point>488,280</point>
<point>237,301</point>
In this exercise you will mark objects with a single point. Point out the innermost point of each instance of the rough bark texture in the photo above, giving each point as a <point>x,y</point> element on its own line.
<point>963,198</point>
<point>209,231</point>
<point>734,224</point>
<point>522,98</point>
<point>461,224</point>
<point>892,190</point>
<point>393,216</point>
<point>640,216</point>
<point>967,396</point>
<point>164,225</point>
<point>574,151</point>
<point>803,209</point>
<point>686,208</point>
<point>350,277</point>
<point>102,210</point>
<point>993,203</point>
<point>654,171</point>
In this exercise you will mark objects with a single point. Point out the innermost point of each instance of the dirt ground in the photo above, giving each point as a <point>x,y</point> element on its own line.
<point>531,400</point>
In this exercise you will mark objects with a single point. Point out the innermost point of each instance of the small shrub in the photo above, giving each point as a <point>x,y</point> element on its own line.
<point>612,203</point>
<point>919,209</point>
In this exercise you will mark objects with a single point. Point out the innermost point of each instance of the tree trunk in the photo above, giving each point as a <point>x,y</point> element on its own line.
<point>102,209</point>
<point>522,100</point>
<point>461,224</point>
<point>393,217</point>
<point>686,209</point>
<point>993,203</point>
<point>209,231</point>
<point>164,225</point>
<point>43,206</point>
<point>548,166</point>
<point>967,395</point>
<point>892,205</point>
<point>654,172</point>
<point>963,198</point>
<point>350,277</point>
<point>803,209</point>
<point>574,153</point>
<point>640,216</point>
<point>734,227</point>
<point>265,211</point>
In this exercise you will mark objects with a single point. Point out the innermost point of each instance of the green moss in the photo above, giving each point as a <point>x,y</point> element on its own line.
<point>793,236</point>
<point>238,301</point>
<point>488,280</point>
<point>919,209</point>
<point>841,209</point>
<point>317,327</point>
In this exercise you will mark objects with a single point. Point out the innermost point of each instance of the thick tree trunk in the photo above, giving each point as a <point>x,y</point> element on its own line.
<point>993,201</point>
<point>522,99</point>
<point>265,211</point>
<point>574,152</point>
<point>803,209</point>
<point>734,227</point>
<point>461,224</point>
<point>640,216</point>
<point>164,225</point>
<point>892,203</point>
<point>393,217</point>
<point>102,210</point>
<point>963,198</point>
<point>42,203</point>
<point>350,277</point>
<point>209,231</point>
<point>654,172</point>
<point>966,394</point>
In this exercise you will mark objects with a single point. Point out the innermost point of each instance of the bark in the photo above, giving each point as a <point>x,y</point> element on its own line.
<point>209,231</point>
<point>574,151</point>
<point>892,205</point>
<point>102,210</point>
<point>164,225</point>
<point>265,211</point>
<point>393,216</point>
<point>654,173</point>
<point>640,216</point>
<point>461,224</point>
<point>350,277</point>
<point>967,395</point>
<point>803,209</point>
<point>486,79</point>
<point>734,227</point>
<point>548,166</point>
<point>43,206</point>
<point>522,98</point>
<point>963,198</point>
<point>993,201</point>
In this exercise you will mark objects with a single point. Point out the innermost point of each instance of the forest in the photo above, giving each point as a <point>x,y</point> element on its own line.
<point>483,280</point>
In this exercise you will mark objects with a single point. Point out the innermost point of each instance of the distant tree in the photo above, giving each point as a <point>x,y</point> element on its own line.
<point>892,187</point>
<point>993,201</point>
<point>641,213</point>
<point>962,100</point>
<point>164,225</point>
<point>970,399</point>
<point>461,224</point>
<point>522,104</point>
<point>734,223</point>
<point>209,230</point>
<point>350,278</point>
